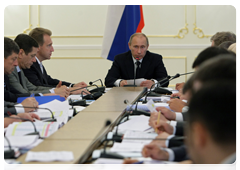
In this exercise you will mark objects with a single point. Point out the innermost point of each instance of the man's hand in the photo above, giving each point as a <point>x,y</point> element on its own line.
<point>59,84</point>
<point>176,95</point>
<point>123,83</point>
<point>63,91</point>
<point>153,151</point>
<point>161,143</point>
<point>168,114</point>
<point>79,91</point>
<point>176,105</point>
<point>179,86</point>
<point>8,120</point>
<point>80,84</point>
<point>153,119</point>
<point>29,102</point>
<point>29,116</point>
<point>164,127</point>
<point>147,83</point>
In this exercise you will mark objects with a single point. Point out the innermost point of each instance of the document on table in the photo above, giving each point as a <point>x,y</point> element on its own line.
<point>54,105</point>
<point>144,107</point>
<point>137,81</point>
<point>22,142</point>
<point>138,137</point>
<point>45,129</point>
<point>138,123</point>
<point>49,156</point>
<point>127,147</point>
<point>120,161</point>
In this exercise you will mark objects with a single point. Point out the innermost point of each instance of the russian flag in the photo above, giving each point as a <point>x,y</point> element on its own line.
<point>122,22</point>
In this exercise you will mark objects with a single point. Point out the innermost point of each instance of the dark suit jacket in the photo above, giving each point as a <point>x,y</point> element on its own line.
<point>36,77</point>
<point>180,153</point>
<point>12,110</point>
<point>180,128</point>
<point>152,67</point>
<point>10,93</point>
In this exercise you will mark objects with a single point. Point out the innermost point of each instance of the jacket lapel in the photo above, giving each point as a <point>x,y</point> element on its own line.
<point>129,65</point>
<point>145,65</point>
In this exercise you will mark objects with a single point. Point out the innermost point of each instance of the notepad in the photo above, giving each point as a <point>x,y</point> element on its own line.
<point>49,156</point>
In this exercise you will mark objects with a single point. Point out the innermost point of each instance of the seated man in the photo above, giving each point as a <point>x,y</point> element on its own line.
<point>136,63</point>
<point>26,57</point>
<point>37,73</point>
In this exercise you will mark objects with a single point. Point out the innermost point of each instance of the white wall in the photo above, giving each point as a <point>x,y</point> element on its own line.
<point>78,31</point>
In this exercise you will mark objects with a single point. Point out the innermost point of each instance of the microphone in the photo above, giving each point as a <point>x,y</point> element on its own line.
<point>35,129</point>
<point>165,91</point>
<point>80,88</point>
<point>49,120</point>
<point>98,89</point>
<point>8,154</point>
<point>134,78</point>
<point>94,95</point>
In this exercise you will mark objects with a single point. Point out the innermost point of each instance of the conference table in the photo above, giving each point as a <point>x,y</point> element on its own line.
<point>84,132</point>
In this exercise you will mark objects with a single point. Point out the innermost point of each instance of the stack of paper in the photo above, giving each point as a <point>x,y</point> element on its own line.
<point>22,142</point>
<point>23,128</point>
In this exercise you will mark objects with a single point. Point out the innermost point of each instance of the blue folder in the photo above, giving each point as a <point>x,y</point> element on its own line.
<point>42,99</point>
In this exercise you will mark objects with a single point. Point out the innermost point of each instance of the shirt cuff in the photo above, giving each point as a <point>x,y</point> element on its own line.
<point>170,153</point>
<point>52,90</point>
<point>173,123</point>
<point>117,82</point>
<point>20,109</point>
<point>167,141</point>
<point>179,116</point>
<point>185,109</point>
<point>174,130</point>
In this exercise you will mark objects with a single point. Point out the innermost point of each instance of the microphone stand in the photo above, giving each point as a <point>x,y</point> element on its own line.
<point>49,120</point>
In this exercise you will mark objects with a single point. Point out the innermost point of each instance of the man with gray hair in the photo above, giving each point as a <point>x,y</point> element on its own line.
<point>136,63</point>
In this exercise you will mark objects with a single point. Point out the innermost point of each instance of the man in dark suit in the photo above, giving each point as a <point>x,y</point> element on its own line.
<point>138,63</point>
<point>211,130</point>
<point>37,73</point>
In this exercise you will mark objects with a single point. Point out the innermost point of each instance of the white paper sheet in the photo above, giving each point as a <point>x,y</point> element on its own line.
<point>49,156</point>
<point>137,81</point>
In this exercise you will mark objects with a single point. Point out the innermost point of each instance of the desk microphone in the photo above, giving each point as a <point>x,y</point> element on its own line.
<point>8,154</point>
<point>98,89</point>
<point>134,78</point>
<point>49,120</point>
<point>162,90</point>
<point>93,96</point>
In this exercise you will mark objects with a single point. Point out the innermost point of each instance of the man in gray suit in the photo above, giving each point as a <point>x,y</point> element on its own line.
<point>26,57</point>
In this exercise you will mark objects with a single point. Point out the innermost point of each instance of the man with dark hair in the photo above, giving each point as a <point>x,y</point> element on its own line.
<point>220,37</point>
<point>211,124</point>
<point>136,63</point>
<point>220,69</point>
<point>225,44</point>
<point>208,53</point>
<point>37,74</point>
<point>26,57</point>
<point>11,51</point>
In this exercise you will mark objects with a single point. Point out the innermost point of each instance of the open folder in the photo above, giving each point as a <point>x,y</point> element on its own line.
<point>42,99</point>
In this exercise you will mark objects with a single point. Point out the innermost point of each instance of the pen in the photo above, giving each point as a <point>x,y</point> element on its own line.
<point>139,162</point>
<point>175,97</point>
<point>32,95</point>
<point>159,114</point>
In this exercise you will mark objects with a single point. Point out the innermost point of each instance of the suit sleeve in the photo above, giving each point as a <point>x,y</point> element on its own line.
<point>180,128</point>
<point>32,76</point>
<point>12,110</point>
<point>180,153</point>
<point>113,73</point>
